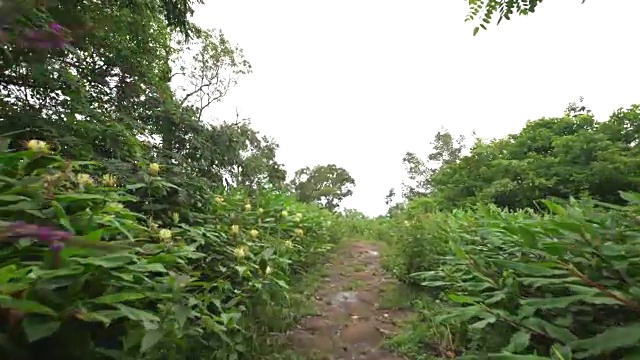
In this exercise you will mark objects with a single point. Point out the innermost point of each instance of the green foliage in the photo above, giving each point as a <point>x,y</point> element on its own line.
<point>327,185</point>
<point>550,157</point>
<point>562,283</point>
<point>131,288</point>
<point>486,10</point>
<point>352,224</point>
<point>446,150</point>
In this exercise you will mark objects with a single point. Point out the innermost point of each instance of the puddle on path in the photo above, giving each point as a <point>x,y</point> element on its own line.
<point>343,297</point>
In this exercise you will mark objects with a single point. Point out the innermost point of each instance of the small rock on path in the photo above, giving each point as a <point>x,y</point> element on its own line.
<point>350,325</point>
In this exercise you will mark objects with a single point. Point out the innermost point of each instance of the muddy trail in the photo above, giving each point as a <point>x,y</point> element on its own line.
<point>350,321</point>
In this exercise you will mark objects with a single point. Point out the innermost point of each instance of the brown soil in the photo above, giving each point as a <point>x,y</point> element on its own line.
<point>351,324</point>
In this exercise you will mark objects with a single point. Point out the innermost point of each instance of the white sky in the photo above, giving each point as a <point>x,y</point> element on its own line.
<point>358,83</point>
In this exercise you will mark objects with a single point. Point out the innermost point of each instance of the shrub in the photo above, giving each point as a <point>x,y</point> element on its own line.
<point>560,285</point>
<point>125,276</point>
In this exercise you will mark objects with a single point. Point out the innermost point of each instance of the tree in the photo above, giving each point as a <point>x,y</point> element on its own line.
<point>446,150</point>
<point>485,10</point>
<point>207,68</point>
<point>110,96</point>
<point>559,157</point>
<point>327,185</point>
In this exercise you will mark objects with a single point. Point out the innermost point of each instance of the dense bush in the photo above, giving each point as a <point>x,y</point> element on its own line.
<point>560,284</point>
<point>93,279</point>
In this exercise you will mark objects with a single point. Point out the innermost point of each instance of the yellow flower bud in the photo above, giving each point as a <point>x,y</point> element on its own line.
<point>84,179</point>
<point>38,146</point>
<point>298,217</point>
<point>219,199</point>
<point>235,229</point>
<point>260,210</point>
<point>113,207</point>
<point>288,243</point>
<point>240,252</point>
<point>268,270</point>
<point>154,169</point>
<point>247,207</point>
<point>254,233</point>
<point>109,180</point>
<point>165,234</point>
<point>299,232</point>
<point>284,213</point>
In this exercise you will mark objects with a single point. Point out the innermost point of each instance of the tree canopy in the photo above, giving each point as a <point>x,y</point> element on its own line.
<point>327,185</point>
<point>572,155</point>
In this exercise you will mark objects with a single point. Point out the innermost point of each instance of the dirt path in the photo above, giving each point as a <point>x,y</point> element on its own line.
<point>350,323</point>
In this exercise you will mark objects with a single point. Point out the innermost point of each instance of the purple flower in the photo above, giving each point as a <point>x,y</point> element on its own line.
<point>45,234</point>
<point>42,233</point>
<point>56,27</point>
<point>56,246</point>
<point>20,228</point>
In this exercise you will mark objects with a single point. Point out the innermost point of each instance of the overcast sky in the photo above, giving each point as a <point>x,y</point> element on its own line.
<point>358,83</point>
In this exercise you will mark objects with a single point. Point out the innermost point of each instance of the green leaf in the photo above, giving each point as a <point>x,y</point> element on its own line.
<point>461,299</point>
<point>150,338</point>
<point>561,352</point>
<point>10,288</point>
<point>565,301</point>
<point>26,306</point>
<point>230,319</point>
<point>519,341</point>
<point>152,267</point>
<point>536,282</point>
<point>9,180</point>
<point>281,283</point>
<point>529,269</point>
<point>118,297</point>
<point>607,341</point>
<point>555,208</point>
<point>136,186</point>
<point>632,197</point>
<point>462,314</point>
<point>506,356</point>
<point>482,323</point>
<point>268,252</point>
<point>62,216</point>
<point>182,314</point>
<point>148,319</point>
<point>36,328</point>
<point>108,261</point>
<point>458,251</point>
<point>529,238</point>
<point>21,206</point>
<point>103,316</point>
<point>95,235</point>
<point>78,197</point>
<point>555,332</point>
<point>12,198</point>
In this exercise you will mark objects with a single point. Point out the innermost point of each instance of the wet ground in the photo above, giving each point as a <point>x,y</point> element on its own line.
<point>350,323</point>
